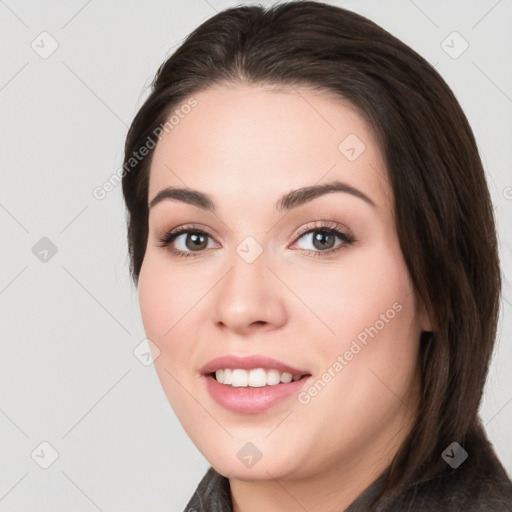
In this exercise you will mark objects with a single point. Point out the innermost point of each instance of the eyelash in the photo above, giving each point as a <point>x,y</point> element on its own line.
<point>325,227</point>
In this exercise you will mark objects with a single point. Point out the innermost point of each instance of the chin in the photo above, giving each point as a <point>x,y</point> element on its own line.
<point>261,471</point>
<point>235,462</point>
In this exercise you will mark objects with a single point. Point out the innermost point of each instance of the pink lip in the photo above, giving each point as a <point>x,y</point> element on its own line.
<point>248,400</point>
<point>248,363</point>
<point>252,400</point>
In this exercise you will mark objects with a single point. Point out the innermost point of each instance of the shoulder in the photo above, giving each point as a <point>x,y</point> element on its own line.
<point>480,483</point>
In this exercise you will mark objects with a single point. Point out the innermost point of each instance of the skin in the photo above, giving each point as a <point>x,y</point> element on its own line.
<point>246,146</point>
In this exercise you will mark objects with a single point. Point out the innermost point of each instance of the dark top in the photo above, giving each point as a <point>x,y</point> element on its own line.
<point>480,483</point>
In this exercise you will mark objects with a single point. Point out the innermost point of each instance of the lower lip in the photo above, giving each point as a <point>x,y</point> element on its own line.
<point>248,400</point>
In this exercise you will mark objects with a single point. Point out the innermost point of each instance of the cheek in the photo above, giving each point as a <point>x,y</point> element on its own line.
<point>154,294</point>
<point>369,287</point>
<point>369,367</point>
<point>166,297</point>
<point>165,294</point>
<point>369,306</point>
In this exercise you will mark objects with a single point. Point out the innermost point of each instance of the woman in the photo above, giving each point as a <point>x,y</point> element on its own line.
<point>314,246</point>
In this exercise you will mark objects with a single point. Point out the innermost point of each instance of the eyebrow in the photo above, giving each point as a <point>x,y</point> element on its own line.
<point>290,200</point>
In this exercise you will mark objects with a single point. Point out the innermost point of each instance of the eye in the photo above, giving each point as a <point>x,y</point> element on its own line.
<point>186,241</point>
<point>324,239</point>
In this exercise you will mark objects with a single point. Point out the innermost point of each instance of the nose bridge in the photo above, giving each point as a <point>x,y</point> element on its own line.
<point>249,295</point>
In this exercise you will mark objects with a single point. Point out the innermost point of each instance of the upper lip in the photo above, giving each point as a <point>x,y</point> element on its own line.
<point>249,363</point>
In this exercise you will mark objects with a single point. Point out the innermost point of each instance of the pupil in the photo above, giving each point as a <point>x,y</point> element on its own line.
<point>197,241</point>
<point>323,239</point>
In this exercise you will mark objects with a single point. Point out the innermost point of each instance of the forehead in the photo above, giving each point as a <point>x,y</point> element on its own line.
<point>256,140</point>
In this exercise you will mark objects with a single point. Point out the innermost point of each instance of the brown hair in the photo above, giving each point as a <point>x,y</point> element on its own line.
<point>444,215</point>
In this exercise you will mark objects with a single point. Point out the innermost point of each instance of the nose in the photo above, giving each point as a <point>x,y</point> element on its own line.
<point>249,298</point>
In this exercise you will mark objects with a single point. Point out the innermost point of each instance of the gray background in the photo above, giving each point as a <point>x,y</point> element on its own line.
<point>69,325</point>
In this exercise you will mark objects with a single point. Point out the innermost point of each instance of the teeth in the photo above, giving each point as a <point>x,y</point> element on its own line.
<point>239,379</point>
<point>273,377</point>
<point>255,378</point>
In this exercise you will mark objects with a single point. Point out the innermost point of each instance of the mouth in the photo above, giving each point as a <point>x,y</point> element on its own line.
<point>254,378</point>
<point>254,384</point>
<point>252,371</point>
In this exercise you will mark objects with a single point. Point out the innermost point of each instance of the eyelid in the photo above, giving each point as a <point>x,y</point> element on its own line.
<point>339,230</point>
<point>325,225</point>
<point>183,229</point>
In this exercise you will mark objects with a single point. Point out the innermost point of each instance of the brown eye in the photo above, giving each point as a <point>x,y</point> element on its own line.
<point>323,240</point>
<point>184,242</point>
<point>196,241</point>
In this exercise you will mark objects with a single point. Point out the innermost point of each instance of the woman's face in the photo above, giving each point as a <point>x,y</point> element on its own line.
<point>316,281</point>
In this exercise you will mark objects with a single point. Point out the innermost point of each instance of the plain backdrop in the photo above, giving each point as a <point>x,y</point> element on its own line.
<point>75,394</point>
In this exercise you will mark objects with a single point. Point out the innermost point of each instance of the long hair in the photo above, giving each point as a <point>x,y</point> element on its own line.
<point>444,215</point>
